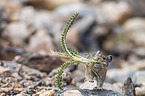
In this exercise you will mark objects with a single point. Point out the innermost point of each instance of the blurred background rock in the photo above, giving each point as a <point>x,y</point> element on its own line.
<point>115,27</point>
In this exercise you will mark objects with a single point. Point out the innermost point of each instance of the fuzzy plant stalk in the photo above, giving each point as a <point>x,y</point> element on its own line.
<point>95,66</point>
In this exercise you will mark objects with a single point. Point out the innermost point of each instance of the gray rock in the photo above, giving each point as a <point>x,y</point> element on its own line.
<point>72,93</point>
<point>43,21</point>
<point>5,71</point>
<point>67,10</point>
<point>86,92</point>
<point>40,43</point>
<point>17,32</point>
<point>120,75</point>
<point>15,68</point>
<point>139,77</point>
<point>135,30</point>
<point>36,20</point>
<point>27,15</point>
<point>78,75</point>
<point>93,85</point>
<point>137,7</point>
<point>115,15</point>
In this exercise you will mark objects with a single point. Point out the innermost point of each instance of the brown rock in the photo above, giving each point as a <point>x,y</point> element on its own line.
<point>43,63</point>
<point>51,4</point>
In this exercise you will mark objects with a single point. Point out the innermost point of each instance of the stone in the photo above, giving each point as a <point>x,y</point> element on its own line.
<point>87,92</point>
<point>140,51</point>
<point>78,75</point>
<point>139,77</point>
<point>51,4</point>
<point>45,93</point>
<point>140,91</point>
<point>44,63</point>
<point>43,21</point>
<point>17,32</point>
<point>36,20</point>
<point>22,94</point>
<point>135,72</point>
<point>13,66</point>
<point>129,88</point>
<point>93,85</point>
<point>118,75</point>
<point>27,15</point>
<point>135,30</point>
<point>9,53</point>
<point>4,72</point>
<point>72,93</point>
<point>89,85</point>
<point>118,44</point>
<point>67,10</point>
<point>137,7</point>
<point>137,65</point>
<point>16,67</point>
<point>40,42</point>
<point>110,9</point>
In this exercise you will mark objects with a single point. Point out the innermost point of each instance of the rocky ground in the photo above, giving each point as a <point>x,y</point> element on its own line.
<point>30,29</point>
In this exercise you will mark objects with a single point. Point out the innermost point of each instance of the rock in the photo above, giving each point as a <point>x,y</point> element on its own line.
<point>22,94</point>
<point>43,21</point>
<point>87,92</point>
<point>9,53</point>
<point>36,20</point>
<point>40,42</point>
<point>51,4</point>
<point>5,72</point>
<point>27,15</point>
<point>11,9</point>
<point>15,68</point>
<point>118,75</point>
<point>44,63</point>
<point>115,15</point>
<point>139,77</point>
<point>140,91</point>
<point>140,51</point>
<point>67,10</point>
<point>19,1</point>
<point>72,93</point>
<point>134,29</point>
<point>137,7</point>
<point>134,66</point>
<point>132,71</point>
<point>89,85</point>
<point>17,32</point>
<point>45,93</point>
<point>117,44</point>
<point>78,75</point>
<point>92,85</point>
<point>129,88</point>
